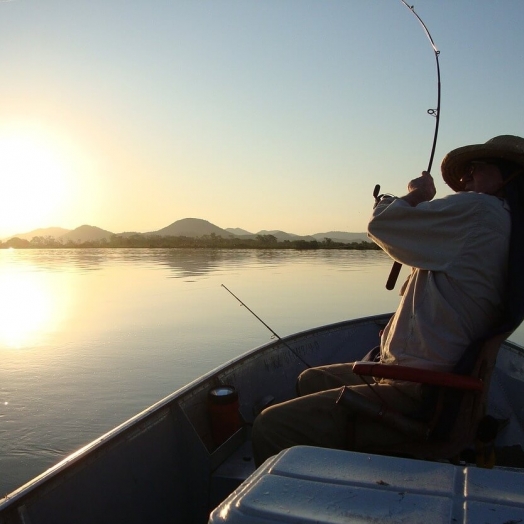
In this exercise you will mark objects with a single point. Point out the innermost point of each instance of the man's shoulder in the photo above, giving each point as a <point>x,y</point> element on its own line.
<point>462,196</point>
<point>471,199</point>
<point>466,208</point>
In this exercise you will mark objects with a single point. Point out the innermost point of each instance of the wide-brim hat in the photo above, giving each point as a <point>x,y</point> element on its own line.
<point>509,148</point>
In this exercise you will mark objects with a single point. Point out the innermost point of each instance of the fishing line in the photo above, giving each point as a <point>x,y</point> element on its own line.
<point>395,270</point>
<point>260,320</point>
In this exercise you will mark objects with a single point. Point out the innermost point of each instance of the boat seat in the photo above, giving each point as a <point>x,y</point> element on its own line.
<point>439,437</point>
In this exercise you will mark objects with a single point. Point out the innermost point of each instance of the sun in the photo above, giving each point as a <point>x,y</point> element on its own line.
<point>36,180</point>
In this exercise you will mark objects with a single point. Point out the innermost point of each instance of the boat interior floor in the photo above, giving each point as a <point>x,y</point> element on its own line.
<point>231,473</point>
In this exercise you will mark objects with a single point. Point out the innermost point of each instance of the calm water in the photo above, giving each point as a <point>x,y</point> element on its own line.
<point>88,338</point>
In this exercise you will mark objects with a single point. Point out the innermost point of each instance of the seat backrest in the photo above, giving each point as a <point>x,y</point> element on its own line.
<point>471,408</point>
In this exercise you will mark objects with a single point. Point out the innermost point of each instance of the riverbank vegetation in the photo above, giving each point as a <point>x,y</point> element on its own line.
<point>206,241</point>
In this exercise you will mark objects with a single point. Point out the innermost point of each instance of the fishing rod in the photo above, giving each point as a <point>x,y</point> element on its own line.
<point>260,320</point>
<point>395,270</point>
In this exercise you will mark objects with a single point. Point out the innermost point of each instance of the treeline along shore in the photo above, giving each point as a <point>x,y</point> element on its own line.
<point>205,241</point>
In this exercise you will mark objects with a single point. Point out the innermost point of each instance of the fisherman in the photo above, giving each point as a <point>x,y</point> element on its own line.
<point>463,250</point>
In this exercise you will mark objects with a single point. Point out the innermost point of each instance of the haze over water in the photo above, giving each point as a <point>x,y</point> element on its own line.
<point>90,337</point>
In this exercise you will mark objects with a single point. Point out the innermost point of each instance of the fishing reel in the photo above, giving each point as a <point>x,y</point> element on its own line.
<point>378,197</point>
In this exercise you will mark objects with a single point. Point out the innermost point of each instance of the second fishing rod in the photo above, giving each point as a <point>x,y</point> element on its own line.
<point>349,399</point>
<point>274,333</point>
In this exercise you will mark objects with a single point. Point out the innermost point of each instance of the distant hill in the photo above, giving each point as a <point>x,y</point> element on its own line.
<point>238,231</point>
<point>191,227</point>
<point>55,232</point>
<point>127,234</point>
<point>282,235</point>
<point>342,236</point>
<point>86,234</point>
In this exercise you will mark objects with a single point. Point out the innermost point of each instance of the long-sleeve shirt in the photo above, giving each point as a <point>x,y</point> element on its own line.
<point>457,247</point>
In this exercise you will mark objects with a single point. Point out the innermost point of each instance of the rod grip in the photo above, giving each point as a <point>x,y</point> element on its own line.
<point>393,275</point>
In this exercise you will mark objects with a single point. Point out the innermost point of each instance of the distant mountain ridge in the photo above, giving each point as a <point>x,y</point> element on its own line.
<point>55,232</point>
<point>189,227</point>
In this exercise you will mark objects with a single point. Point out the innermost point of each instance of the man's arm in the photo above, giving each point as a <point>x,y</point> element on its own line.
<point>402,226</point>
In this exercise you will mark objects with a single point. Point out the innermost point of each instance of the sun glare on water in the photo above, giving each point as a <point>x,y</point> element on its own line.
<point>27,309</point>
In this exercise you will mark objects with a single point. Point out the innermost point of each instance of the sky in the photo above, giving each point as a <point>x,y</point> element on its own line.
<point>259,114</point>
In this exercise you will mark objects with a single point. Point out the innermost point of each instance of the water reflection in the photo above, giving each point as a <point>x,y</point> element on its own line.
<point>197,262</point>
<point>184,263</point>
<point>191,263</point>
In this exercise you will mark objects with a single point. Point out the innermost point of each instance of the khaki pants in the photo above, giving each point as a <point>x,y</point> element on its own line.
<point>315,419</point>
